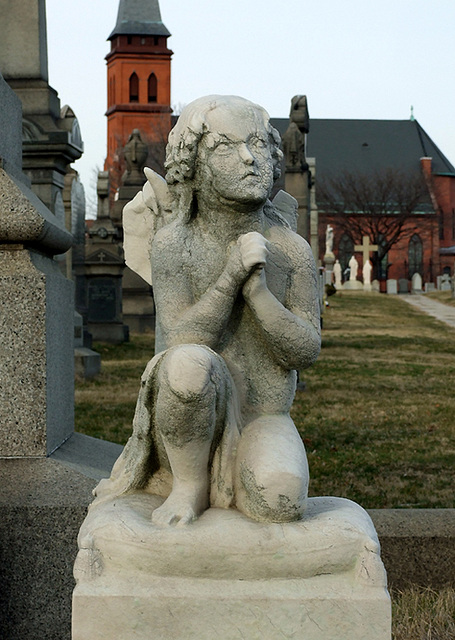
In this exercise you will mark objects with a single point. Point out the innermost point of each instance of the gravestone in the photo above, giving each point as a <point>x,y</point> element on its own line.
<point>353,283</point>
<point>403,285</point>
<point>392,287</point>
<point>429,286</point>
<point>366,248</point>
<point>445,282</point>
<point>102,271</point>
<point>51,135</point>
<point>205,527</point>
<point>297,170</point>
<point>46,471</point>
<point>375,286</point>
<point>416,283</point>
<point>87,363</point>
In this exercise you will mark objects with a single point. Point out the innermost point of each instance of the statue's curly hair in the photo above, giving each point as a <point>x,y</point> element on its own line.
<point>184,138</point>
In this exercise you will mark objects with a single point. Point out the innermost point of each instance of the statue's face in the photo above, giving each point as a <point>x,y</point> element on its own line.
<point>234,158</point>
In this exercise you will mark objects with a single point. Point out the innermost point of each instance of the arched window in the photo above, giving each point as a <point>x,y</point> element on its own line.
<point>415,255</point>
<point>383,257</point>
<point>134,88</point>
<point>345,251</point>
<point>152,88</point>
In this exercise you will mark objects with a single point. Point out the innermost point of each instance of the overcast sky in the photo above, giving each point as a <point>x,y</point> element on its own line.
<point>352,58</point>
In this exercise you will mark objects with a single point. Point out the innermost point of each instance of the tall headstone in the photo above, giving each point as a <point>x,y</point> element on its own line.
<point>103,270</point>
<point>47,471</point>
<point>51,135</point>
<point>298,178</point>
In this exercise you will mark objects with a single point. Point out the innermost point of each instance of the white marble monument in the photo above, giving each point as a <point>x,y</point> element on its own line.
<point>337,274</point>
<point>329,257</point>
<point>366,273</point>
<point>352,283</point>
<point>204,529</point>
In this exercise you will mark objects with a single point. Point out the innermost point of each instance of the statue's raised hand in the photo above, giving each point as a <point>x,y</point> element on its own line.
<point>248,254</point>
<point>253,250</point>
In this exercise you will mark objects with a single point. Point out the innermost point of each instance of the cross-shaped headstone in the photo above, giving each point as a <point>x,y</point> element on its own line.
<point>365,248</point>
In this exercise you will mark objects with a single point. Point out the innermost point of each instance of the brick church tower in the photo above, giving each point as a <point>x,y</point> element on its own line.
<point>139,83</point>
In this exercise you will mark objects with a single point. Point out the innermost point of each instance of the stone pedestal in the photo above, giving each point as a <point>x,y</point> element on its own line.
<point>228,577</point>
<point>353,285</point>
<point>329,261</point>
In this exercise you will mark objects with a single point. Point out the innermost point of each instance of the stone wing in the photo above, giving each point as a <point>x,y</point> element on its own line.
<point>149,210</point>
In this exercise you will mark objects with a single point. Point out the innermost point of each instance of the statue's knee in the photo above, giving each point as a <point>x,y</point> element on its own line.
<point>271,472</point>
<point>271,497</point>
<point>188,371</point>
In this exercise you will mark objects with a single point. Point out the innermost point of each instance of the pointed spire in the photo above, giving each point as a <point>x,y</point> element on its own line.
<point>139,17</point>
<point>412,114</point>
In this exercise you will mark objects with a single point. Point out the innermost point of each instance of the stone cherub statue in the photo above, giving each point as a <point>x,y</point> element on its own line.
<point>237,315</point>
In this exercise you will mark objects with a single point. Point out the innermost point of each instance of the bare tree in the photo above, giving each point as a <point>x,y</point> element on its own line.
<point>388,206</point>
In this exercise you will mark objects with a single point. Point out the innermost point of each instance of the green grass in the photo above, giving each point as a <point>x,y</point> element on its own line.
<point>377,415</point>
<point>442,296</point>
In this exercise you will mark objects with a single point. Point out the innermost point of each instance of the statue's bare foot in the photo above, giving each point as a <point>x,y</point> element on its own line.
<point>185,504</point>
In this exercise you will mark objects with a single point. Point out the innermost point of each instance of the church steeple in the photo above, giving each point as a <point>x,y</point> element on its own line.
<point>139,78</point>
<point>139,17</point>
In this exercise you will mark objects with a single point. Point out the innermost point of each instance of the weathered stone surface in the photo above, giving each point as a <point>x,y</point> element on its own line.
<point>36,358</point>
<point>24,219</point>
<point>30,58</point>
<point>240,577</point>
<point>42,503</point>
<point>237,314</point>
<point>417,546</point>
<point>11,128</point>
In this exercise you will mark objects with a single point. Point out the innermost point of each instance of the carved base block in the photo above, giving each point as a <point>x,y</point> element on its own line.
<point>227,577</point>
<point>354,285</point>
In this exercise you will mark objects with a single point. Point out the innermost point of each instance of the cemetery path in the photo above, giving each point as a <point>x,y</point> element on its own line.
<point>438,310</point>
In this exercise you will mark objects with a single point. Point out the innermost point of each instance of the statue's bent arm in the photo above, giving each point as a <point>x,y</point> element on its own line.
<point>292,331</point>
<point>183,319</point>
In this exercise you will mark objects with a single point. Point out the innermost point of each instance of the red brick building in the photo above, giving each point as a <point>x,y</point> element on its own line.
<point>139,82</point>
<point>371,147</point>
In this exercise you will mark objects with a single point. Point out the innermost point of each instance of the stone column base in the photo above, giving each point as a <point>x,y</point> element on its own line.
<point>226,577</point>
<point>353,285</point>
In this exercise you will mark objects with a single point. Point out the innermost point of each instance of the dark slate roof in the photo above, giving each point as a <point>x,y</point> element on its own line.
<point>369,145</point>
<point>139,17</point>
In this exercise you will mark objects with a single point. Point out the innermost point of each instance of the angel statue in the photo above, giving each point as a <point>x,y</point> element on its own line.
<point>237,315</point>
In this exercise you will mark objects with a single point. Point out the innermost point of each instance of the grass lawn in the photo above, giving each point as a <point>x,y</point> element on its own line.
<point>442,296</point>
<point>377,415</point>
